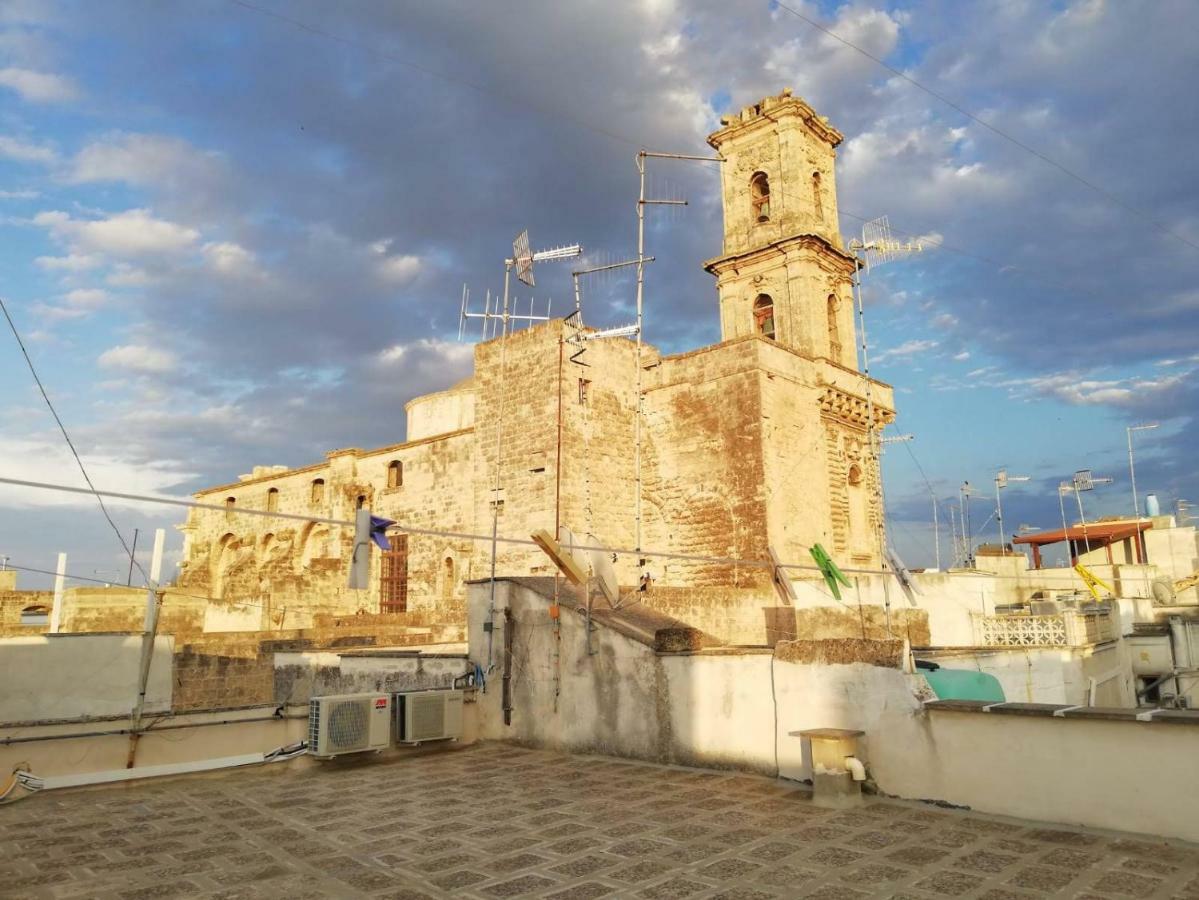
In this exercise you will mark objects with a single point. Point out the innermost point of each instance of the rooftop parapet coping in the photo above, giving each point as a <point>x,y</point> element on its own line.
<point>1063,711</point>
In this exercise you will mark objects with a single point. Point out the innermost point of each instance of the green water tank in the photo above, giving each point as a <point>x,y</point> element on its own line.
<point>964,684</point>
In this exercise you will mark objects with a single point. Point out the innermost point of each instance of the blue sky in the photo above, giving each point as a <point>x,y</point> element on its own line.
<point>231,241</point>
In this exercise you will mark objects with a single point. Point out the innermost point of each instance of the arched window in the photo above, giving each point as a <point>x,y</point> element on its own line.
<point>834,331</point>
<point>230,502</point>
<point>447,586</point>
<point>395,474</point>
<point>855,475</point>
<point>764,316</point>
<point>759,192</point>
<point>361,502</point>
<point>817,197</point>
<point>318,491</point>
<point>272,500</point>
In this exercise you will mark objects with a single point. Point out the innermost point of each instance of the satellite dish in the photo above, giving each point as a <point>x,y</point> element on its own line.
<point>602,570</point>
<point>1163,591</point>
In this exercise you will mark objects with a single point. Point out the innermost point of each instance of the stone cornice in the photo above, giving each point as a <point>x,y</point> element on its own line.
<point>851,408</point>
<point>769,110</point>
<point>721,264</point>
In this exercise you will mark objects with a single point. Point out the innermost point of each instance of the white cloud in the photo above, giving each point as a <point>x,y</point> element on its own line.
<point>134,232</point>
<point>139,358</point>
<point>33,459</point>
<point>906,349</point>
<point>1080,389</point>
<point>231,260</point>
<point>125,275</point>
<point>52,313</point>
<point>23,151</point>
<point>145,159</point>
<point>86,297</point>
<point>961,357</point>
<point>39,87</point>
<point>399,269</point>
<point>72,262</point>
<point>19,195</point>
<point>427,350</point>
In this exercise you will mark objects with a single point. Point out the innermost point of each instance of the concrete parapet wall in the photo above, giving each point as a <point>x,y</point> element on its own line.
<point>739,708</point>
<point>71,676</point>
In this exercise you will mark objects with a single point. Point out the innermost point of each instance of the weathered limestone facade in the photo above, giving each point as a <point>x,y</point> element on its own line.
<point>757,440</point>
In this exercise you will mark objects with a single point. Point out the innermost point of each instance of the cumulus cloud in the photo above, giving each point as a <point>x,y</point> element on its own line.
<point>147,159</point>
<point>39,87</point>
<point>906,350</point>
<point>134,232</point>
<point>26,151</point>
<point>139,359</point>
<point>72,262</point>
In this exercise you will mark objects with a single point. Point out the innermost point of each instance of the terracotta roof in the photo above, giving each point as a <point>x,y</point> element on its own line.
<point>1096,533</point>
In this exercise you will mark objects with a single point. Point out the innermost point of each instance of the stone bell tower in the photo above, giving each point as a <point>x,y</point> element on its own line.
<point>784,273</point>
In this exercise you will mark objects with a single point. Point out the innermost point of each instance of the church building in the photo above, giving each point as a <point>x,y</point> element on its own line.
<point>757,441</point>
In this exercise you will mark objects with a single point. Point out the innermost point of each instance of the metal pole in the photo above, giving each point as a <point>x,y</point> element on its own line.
<point>936,532</point>
<point>1062,505</point>
<point>999,517</point>
<point>1082,518</point>
<point>1132,475</point>
<point>132,556</point>
<point>953,532</point>
<point>870,432</point>
<point>495,494</point>
<point>640,293</point>
<point>154,598</point>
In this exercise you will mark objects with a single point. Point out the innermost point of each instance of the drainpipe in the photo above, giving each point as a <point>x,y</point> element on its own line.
<point>1179,649</point>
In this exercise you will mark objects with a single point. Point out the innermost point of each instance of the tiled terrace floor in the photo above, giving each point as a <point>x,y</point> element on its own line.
<point>499,821</point>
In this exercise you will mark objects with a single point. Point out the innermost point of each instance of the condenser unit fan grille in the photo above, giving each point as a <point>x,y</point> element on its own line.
<point>428,717</point>
<point>349,725</point>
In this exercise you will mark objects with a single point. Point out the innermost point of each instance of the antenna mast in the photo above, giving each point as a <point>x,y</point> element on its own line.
<point>642,259</point>
<point>522,260</point>
<point>876,248</point>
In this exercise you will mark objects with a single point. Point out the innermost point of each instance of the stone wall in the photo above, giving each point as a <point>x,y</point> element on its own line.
<point>218,671</point>
<point>13,601</point>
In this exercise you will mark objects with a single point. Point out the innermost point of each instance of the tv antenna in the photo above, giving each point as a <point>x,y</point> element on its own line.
<point>522,259</point>
<point>1083,481</point>
<point>876,248</point>
<point>491,317</point>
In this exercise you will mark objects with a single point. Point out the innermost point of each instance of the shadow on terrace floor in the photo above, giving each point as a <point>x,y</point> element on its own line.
<point>494,820</point>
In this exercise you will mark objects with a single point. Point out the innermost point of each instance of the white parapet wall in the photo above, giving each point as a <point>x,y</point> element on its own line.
<point>55,677</point>
<point>738,708</point>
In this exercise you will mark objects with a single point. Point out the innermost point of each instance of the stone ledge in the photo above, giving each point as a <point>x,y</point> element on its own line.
<point>1051,710</point>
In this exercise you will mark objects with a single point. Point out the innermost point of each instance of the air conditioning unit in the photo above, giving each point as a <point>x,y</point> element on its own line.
<point>348,723</point>
<point>427,716</point>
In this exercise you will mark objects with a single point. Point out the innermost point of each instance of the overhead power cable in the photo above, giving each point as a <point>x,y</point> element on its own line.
<point>1127,207</point>
<point>433,532</point>
<point>70,444</point>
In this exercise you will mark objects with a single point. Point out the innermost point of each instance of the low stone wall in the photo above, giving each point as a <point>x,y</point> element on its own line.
<point>842,651</point>
<point>755,618</point>
<point>216,671</point>
<point>299,676</point>
<point>12,602</point>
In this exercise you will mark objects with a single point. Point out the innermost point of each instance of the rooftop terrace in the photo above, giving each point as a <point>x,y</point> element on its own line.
<point>495,820</point>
